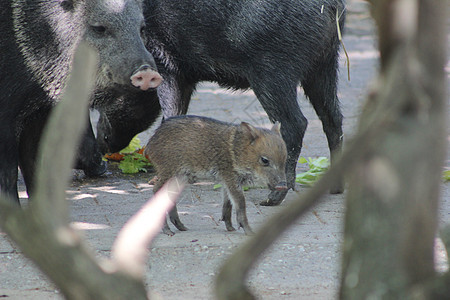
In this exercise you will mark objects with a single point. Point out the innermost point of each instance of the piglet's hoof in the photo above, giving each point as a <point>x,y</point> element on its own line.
<point>168,232</point>
<point>247,229</point>
<point>275,198</point>
<point>153,180</point>
<point>230,228</point>
<point>166,229</point>
<point>269,202</point>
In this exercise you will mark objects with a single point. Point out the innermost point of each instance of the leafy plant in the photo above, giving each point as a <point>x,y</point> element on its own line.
<point>133,163</point>
<point>317,167</point>
<point>446,175</point>
<point>135,144</point>
<point>131,159</point>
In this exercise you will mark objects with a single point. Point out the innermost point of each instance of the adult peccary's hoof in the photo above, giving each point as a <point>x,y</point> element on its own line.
<point>337,188</point>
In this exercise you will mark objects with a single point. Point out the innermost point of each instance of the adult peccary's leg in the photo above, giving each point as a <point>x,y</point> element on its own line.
<point>279,100</point>
<point>321,89</point>
<point>8,165</point>
<point>29,147</point>
<point>89,158</point>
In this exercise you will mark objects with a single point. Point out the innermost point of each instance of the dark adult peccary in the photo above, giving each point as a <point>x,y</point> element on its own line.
<point>270,46</point>
<point>123,118</point>
<point>38,39</point>
<point>191,146</point>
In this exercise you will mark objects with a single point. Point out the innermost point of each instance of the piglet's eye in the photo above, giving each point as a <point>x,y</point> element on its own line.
<point>264,161</point>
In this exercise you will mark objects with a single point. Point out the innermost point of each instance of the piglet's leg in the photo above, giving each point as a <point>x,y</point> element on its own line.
<point>237,196</point>
<point>226,210</point>
<point>166,229</point>
<point>157,185</point>
<point>175,219</point>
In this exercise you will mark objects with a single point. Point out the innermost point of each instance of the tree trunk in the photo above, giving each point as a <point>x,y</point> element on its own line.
<point>392,201</point>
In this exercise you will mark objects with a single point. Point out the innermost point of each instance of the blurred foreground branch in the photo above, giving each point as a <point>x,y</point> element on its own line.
<point>395,163</point>
<point>42,231</point>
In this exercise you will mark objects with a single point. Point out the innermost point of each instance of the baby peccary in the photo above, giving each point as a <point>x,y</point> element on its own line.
<point>235,155</point>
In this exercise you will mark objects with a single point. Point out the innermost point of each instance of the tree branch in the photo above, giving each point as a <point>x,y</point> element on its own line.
<point>379,118</point>
<point>42,231</point>
<point>129,250</point>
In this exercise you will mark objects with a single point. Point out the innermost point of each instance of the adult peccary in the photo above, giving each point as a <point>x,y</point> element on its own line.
<point>123,118</point>
<point>269,46</point>
<point>191,146</point>
<point>37,43</point>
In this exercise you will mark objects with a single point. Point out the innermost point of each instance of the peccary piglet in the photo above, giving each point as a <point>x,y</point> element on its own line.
<point>234,154</point>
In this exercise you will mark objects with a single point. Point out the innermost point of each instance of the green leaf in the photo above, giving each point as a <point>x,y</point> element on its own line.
<point>134,145</point>
<point>134,163</point>
<point>320,163</point>
<point>317,167</point>
<point>446,175</point>
<point>302,160</point>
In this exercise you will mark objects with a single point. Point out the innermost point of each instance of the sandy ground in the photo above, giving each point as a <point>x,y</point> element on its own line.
<point>303,264</point>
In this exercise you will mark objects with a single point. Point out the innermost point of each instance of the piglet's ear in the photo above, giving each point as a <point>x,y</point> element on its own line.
<point>250,131</point>
<point>276,127</point>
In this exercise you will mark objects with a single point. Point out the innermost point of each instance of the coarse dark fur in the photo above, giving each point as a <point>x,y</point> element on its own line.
<point>38,39</point>
<point>123,117</point>
<point>191,147</point>
<point>269,46</point>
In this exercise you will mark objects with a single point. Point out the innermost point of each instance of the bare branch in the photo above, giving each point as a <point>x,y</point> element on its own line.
<point>129,250</point>
<point>61,137</point>
<point>42,231</point>
<point>230,282</point>
<point>393,195</point>
<point>379,119</point>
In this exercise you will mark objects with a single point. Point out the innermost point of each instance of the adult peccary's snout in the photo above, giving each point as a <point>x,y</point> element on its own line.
<point>145,78</point>
<point>114,29</point>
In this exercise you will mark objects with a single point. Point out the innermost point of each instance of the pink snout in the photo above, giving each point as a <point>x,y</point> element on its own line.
<point>145,78</point>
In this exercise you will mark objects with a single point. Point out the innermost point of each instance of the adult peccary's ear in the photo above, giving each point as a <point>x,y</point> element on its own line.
<point>276,127</point>
<point>67,5</point>
<point>250,131</point>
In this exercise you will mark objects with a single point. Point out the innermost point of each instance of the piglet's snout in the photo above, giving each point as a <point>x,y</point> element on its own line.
<point>281,186</point>
<point>145,78</point>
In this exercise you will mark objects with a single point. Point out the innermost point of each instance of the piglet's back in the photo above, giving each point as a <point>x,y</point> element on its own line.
<point>189,141</point>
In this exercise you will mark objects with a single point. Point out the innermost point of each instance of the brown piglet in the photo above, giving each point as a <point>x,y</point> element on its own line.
<point>234,154</point>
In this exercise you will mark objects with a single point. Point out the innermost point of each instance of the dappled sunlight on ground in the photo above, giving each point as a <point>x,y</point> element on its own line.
<point>111,190</point>
<point>88,226</point>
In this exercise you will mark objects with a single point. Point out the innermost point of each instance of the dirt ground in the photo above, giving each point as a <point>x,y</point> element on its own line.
<point>303,264</point>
